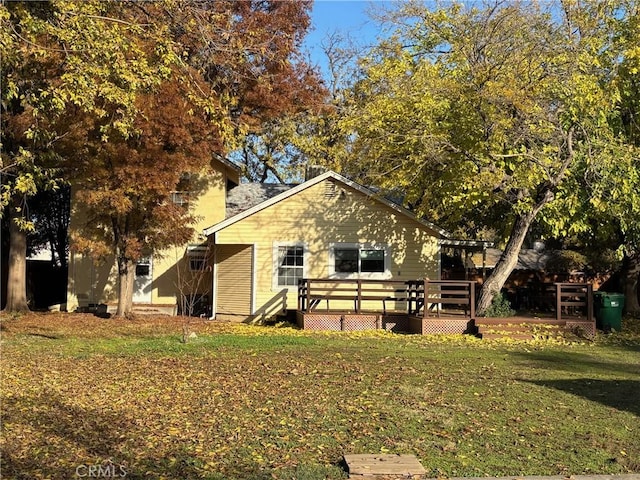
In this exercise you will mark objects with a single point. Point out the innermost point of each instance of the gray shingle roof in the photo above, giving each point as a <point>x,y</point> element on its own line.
<point>247,195</point>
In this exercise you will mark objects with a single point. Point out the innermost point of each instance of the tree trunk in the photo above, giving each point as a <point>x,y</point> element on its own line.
<point>126,275</point>
<point>631,283</point>
<point>509,258</point>
<point>17,279</point>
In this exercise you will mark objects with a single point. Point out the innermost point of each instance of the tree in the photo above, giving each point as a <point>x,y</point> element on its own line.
<point>629,87</point>
<point>100,66</point>
<point>605,199</point>
<point>476,112</point>
<point>62,60</point>
<point>239,58</point>
<point>124,185</point>
<point>283,147</point>
<point>617,201</point>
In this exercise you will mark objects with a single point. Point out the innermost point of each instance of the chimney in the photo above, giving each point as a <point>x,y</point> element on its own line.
<point>313,171</point>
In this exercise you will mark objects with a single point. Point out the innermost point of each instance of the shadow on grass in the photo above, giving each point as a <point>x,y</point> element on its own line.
<point>618,394</point>
<point>54,432</point>
<point>52,438</point>
<point>578,363</point>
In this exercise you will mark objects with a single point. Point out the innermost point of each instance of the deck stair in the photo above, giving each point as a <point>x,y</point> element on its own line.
<point>520,329</point>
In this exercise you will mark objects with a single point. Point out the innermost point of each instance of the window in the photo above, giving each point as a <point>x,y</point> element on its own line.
<point>346,260</point>
<point>355,259</point>
<point>197,255</point>
<point>142,270</point>
<point>371,260</point>
<point>180,198</point>
<point>289,264</point>
<point>143,267</point>
<point>196,262</point>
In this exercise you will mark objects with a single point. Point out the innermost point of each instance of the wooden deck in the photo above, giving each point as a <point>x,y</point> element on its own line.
<point>400,322</point>
<point>397,306</point>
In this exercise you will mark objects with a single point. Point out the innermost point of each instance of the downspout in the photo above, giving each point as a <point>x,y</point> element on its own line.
<point>254,269</point>
<point>439,265</point>
<point>214,279</point>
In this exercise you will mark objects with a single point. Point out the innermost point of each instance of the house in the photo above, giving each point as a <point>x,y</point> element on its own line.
<point>327,227</point>
<point>160,279</point>
<point>258,240</point>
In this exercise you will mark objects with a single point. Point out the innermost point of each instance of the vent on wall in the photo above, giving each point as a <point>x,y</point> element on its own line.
<point>330,190</point>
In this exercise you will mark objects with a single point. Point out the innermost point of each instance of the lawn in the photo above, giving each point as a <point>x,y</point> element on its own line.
<point>248,402</point>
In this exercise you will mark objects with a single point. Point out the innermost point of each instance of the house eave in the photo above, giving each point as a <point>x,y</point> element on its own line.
<point>226,162</point>
<point>449,242</point>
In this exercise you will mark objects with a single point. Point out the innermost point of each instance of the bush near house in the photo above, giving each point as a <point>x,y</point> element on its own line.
<point>252,402</point>
<point>500,307</point>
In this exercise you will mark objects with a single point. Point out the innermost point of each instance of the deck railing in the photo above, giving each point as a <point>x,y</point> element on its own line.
<point>411,294</point>
<point>572,295</point>
<point>440,294</point>
<point>313,292</point>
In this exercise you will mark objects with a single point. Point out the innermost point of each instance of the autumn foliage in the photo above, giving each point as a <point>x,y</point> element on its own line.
<point>125,99</point>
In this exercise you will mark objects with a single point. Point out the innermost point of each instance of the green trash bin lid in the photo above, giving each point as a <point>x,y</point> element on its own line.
<point>608,299</point>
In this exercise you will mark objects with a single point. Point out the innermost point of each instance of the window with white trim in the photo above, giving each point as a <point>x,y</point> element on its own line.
<point>289,264</point>
<point>143,267</point>
<point>350,259</point>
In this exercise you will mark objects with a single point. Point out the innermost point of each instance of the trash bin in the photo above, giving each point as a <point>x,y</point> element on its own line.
<point>608,310</point>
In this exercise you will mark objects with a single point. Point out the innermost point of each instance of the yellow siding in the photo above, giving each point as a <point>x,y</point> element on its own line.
<point>234,267</point>
<point>90,282</point>
<point>326,213</point>
<point>98,283</point>
<point>208,206</point>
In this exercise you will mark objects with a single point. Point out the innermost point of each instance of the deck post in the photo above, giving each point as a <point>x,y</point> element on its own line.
<point>472,300</point>
<point>426,295</point>
<point>558,301</point>
<point>359,296</point>
<point>590,302</point>
<point>308,282</point>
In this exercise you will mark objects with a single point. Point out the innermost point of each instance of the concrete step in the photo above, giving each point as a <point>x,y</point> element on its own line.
<point>148,309</point>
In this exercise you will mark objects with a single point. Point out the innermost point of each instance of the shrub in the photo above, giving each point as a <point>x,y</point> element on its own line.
<point>500,307</point>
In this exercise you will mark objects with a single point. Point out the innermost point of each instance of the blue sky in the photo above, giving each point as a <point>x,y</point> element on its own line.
<point>346,17</point>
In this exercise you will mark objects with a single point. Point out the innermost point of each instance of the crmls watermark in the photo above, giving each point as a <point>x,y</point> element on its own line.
<point>108,470</point>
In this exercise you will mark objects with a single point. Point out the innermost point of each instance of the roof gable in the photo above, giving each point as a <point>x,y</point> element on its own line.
<point>314,181</point>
